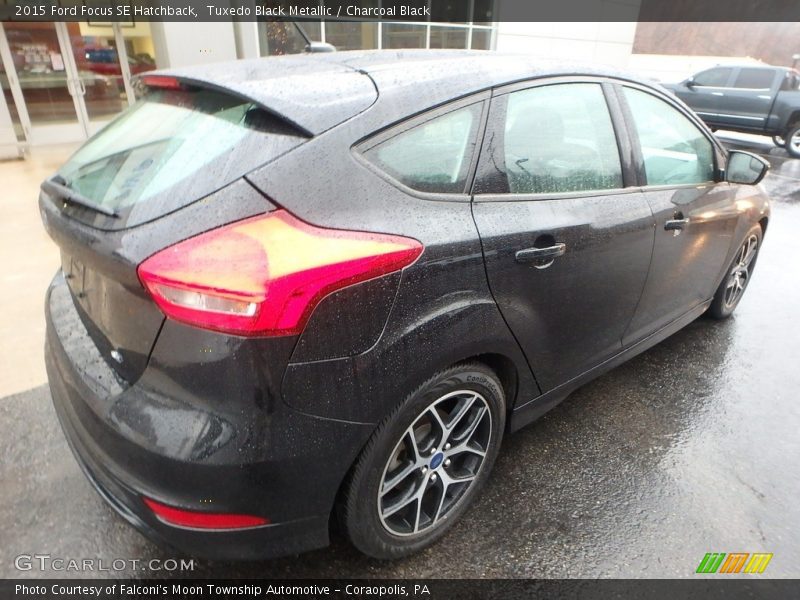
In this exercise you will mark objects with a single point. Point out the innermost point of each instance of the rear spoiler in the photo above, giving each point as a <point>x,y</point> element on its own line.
<point>143,84</point>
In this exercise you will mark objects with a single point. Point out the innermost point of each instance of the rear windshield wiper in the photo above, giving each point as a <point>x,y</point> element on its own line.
<point>58,185</point>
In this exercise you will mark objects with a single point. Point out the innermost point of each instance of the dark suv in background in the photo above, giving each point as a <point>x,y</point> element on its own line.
<point>324,287</point>
<point>751,99</point>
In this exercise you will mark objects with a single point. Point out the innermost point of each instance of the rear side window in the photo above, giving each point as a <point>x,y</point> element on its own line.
<point>559,138</point>
<point>674,150</point>
<point>713,77</point>
<point>171,148</point>
<point>434,156</point>
<point>755,79</point>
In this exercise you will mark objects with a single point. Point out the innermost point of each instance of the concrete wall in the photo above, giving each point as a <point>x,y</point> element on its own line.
<point>183,44</point>
<point>671,68</point>
<point>598,43</point>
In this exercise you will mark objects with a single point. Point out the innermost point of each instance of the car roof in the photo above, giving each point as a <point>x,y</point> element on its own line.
<point>318,91</point>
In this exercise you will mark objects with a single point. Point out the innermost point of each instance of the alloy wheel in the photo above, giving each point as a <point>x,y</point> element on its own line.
<point>435,461</point>
<point>739,275</point>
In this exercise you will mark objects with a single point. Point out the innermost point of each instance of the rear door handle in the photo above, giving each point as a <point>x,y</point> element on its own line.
<point>543,257</point>
<point>675,224</point>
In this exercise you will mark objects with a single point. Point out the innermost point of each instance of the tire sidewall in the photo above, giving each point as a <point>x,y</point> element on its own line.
<point>362,521</point>
<point>794,153</point>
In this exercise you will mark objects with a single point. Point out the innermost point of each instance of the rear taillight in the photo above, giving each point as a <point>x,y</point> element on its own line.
<point>265,275</point>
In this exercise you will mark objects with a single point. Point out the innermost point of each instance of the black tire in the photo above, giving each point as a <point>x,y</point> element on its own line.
<point>724,302</point>
<point>389,453</point>
<point>791,136</point>
<point>779,141</point>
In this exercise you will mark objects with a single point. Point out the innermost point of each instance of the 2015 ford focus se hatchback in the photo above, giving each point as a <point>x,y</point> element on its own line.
<point>321,288</point>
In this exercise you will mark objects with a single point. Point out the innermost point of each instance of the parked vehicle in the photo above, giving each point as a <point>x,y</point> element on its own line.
<point>307,288</point>
<point>751,99</point>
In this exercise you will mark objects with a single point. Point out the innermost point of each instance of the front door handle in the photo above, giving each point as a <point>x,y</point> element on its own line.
<point>675,224</point>
<point>541,257</point>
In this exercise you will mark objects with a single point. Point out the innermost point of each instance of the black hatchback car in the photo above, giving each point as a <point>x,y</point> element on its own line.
<point>314,288</point>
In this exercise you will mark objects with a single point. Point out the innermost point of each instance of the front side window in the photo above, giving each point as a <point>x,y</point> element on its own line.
<point>434,156</point>
<point>713,77</point>
<point>559,138</point>
<point>754,79</point>
<point>674,149</point>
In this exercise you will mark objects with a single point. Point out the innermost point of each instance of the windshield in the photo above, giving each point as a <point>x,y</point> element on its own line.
<point>171,148</point>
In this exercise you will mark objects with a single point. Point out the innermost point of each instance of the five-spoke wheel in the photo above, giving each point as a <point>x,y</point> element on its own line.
<point>738,275</point>
<point>425,462</point>
<point>435,461</point>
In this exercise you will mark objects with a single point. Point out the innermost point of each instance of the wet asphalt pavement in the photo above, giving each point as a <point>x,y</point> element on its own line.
<point>692,447</point>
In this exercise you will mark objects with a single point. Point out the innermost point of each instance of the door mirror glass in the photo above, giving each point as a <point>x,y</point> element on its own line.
<point>746,168</point>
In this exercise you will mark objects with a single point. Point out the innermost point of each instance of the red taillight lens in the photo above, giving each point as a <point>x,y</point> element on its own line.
<point>202,520</point>
<point>264,276</point>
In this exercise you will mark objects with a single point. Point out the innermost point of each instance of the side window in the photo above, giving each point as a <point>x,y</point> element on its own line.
<point>559,138</point>
<point>713,77</point>
<point>754,79</point>
<point>675,151</point>
<point>790,82</point>
<point>434,156</point>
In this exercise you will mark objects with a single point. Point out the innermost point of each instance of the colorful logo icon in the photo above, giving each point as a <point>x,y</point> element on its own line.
<point>735,562</point>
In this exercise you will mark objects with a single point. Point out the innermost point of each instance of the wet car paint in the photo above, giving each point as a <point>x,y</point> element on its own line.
<point>690,448</point>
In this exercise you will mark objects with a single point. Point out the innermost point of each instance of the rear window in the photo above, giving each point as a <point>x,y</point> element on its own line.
<point>434,156</point>
<point>171,148</point>
<point>754,79</point>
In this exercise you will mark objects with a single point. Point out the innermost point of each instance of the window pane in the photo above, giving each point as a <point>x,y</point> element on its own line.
<point>713,77</point>
<point>759,79</point>
<point>448,37</point>
<point>449,11</point>
<point>434,156</point>
<point>674,150</point>
<point>399,35</point>
<point>559,138</point>
<point>481,39</point>
<point>483,12</point>
<point>352,35</point>
<point>42,72</point>
<point>283,37</point>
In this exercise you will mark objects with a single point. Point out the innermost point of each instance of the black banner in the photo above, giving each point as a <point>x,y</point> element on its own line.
<point>433,589</point>
<point>442,11</point>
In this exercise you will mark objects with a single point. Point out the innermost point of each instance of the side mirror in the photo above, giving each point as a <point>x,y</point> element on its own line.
<point>744,167</point>
<point>690,83</point>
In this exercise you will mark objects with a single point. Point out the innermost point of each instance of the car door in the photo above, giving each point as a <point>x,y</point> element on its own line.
<point>705,93</point>
<point>567,237</point>
<point>749,101</point>
<point>695,217</point>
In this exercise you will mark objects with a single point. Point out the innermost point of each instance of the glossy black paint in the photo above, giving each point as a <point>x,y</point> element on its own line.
<point>270,427</point>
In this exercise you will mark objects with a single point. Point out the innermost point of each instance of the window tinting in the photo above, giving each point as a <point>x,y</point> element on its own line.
<point>675,151</point>
<point>559,138</point>
<point>173,147</point>
<point>434,156</point>
<point>756,79</point>
<point>713,77</point>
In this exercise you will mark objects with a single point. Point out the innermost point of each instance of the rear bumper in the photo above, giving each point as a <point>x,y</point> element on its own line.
<point>131,441</point>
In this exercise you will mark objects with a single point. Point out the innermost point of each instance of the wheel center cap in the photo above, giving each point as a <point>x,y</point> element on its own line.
<point>437,460</point>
